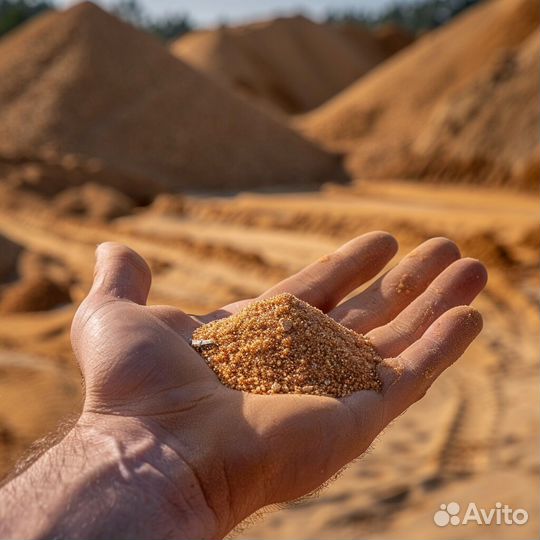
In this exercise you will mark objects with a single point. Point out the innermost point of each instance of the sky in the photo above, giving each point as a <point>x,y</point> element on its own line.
<point>212,12</point>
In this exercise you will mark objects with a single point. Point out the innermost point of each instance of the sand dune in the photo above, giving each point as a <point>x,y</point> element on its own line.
<point>377,119</point>
<point>84,83</point>
<point>288,64</point>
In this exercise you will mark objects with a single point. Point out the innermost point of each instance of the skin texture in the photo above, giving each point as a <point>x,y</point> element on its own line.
<point>170,452</point>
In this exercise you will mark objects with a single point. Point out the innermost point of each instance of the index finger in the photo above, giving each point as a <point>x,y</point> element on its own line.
<point>325,282</point>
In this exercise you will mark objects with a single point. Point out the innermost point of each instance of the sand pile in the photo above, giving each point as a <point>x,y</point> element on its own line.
<point>31,281</point>
<point>487,247</point>
<point>527,174</point>
<point>34,293</point>
<point>34,265</point>
<point>9,256</point>
<point>378,118</point>
<point>489,129</point>
<point>291,64</point>
<point>167,204</point>
<point>283,345</point>
<point>50,172</point>
<point>82,82</point>
<point>92,201</point>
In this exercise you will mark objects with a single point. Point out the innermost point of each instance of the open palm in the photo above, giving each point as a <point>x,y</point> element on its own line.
<point>248,450</point>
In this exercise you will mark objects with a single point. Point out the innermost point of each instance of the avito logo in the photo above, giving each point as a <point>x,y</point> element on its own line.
<point>501,514</point>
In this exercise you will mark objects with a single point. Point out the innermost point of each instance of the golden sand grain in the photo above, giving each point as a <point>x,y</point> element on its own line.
<point>282,345</point>
<point>404,285</point>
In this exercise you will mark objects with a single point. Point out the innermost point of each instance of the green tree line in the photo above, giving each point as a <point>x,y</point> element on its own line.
<point>15,12</point>
<point>416,17</point>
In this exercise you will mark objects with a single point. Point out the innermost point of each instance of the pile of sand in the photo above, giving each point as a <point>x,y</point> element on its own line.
<point>94,202</point>
<point>48,173</point>
<point>31,281</point>
<point>527,174</point>
<point>9,256</point>
<point>33,264</point>
<point>82,82</point>
<point>489,129</point>
<point>378,119</point>
<point>290,64</point>
<point>282,345</point>
<point>34,293</point>
<point>168,204</point>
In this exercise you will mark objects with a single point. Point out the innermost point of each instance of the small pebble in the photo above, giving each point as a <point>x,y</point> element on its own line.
<point>286,325</point>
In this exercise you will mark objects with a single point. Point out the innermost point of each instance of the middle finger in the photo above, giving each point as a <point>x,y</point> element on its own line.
<point>396,289</point>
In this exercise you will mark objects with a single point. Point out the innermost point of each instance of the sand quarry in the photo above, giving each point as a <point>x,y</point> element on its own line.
<point>155,159</point>
<point>249,59</point>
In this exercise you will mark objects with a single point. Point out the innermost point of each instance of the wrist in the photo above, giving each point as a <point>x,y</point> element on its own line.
<point>159,490</point>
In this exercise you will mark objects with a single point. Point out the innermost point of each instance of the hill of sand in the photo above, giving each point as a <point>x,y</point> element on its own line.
<point>82,82</point>
<point>47,172</point>
<point>473,438</point>
<point>289,64</point>
<point>377,119</point>
<point>489,129</point>
<point>8,261</point>
<point>93,202</point>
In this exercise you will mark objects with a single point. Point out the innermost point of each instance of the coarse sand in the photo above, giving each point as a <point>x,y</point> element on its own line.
<point>82,82</point>
<point>489,129</point>
<point>377,120</point>
<point>290,64</point>
<point>282,345</point>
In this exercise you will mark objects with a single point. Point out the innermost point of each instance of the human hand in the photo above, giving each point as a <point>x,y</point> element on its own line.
<point>246,451</point>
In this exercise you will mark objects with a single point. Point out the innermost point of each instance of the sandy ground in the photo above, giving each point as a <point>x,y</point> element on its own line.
<point>474,438</point>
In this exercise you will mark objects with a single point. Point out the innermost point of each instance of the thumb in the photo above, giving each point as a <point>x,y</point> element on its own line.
<point>120,273</point>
